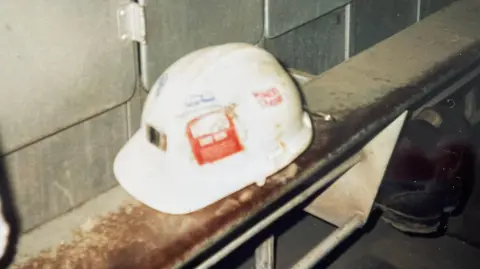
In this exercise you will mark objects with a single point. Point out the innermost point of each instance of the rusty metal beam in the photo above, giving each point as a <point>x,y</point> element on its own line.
<point>364,94</point>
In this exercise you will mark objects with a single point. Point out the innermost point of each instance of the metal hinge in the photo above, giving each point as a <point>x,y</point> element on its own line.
<point>131,22</point>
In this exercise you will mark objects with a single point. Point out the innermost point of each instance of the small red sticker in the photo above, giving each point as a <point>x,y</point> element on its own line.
<point>271,97</point>
<point>213,137</point>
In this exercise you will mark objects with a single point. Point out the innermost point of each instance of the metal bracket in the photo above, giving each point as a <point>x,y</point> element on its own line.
<point>131,22</point>
<point>353,194</point>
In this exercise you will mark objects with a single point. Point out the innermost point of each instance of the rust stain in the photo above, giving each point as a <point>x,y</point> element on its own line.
<point>230,110</point>
<point>285,174</point>
<point>139,237</point>
<point>246,196</point>
<point>282,144</point>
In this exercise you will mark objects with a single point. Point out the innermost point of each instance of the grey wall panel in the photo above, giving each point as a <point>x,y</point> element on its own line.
<point>427,7</point>
<point>175,28</point>
<point>284,15</point>
<point>313,47</point>
<point>62,62</point>
<point>376,20</point>
<point>60,172</point>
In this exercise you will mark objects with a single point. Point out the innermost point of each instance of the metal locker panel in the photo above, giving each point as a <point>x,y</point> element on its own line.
<point>313,47</point>
<point>284,15</point>
<point>62,171</point>
<point>175,28</point>
<point>428,7</point>
<point>376,20</point>
<point>62,62</point>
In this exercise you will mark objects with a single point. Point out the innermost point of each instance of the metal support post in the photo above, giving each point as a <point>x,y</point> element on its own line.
<point>265,254</point>
<point>329,243</point>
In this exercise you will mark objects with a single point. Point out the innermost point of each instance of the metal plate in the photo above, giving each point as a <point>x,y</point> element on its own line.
<point>313,47</point>
<point>175,28</point>
<point>376,20</point>
<point>284,15</point>
<point>427,7</point>
<point>62,63</point>
<point>62,171</point>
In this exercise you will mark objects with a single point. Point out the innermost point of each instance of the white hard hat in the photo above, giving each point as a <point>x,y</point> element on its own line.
<point>217,120</point>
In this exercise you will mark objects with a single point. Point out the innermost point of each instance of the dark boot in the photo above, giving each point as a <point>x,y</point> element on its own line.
<point>424,181</point>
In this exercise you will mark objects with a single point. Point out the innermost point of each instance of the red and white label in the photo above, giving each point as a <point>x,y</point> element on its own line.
<point>213,137</point>
<point>271,97</point>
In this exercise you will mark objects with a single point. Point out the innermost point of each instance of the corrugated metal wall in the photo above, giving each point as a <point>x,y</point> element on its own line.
<point>59,172</point>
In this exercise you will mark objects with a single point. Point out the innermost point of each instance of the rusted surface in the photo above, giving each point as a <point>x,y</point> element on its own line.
<point>139,237</point>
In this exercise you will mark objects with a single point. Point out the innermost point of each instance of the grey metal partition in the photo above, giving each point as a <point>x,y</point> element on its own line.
<point>61,63</point>
<point>175,28</point>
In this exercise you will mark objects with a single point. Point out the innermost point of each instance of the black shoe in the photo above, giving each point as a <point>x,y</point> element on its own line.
<point>423,182</point>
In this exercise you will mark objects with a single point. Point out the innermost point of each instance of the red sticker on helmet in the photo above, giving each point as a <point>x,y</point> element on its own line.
<point>213,137</point>
<point>271,97</point>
